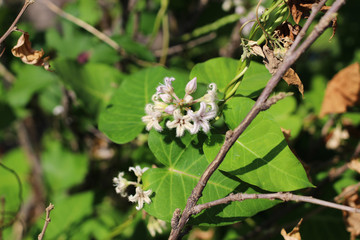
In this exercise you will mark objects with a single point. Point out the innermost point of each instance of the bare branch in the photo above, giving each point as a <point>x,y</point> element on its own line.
<point>274,99</point>
<point>290,58</point>
<point>13,27</point>
<point>281,196</point>
<point>47,221</point>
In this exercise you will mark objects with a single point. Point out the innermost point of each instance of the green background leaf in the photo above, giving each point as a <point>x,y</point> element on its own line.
<point>260,156</point>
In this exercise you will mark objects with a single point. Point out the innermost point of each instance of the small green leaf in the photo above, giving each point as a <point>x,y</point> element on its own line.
<point>91,82</point>
<point>62,168</point>
<point>69,211</point>
<point>29,80</point>
<point>184,164</point>
<point>217,70</point>
<point>121,120</point>
<point>260,156</point>
<point>222,70</point>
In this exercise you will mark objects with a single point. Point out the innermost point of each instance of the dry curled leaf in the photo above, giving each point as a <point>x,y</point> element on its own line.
<point>272,64</point>
<point>286,33</point>
<point>342,91</point>
<point>28,55</point>
<point>294,234</point>
<point>350,197</point>
<point>292,78</point>
<point>302,8</point>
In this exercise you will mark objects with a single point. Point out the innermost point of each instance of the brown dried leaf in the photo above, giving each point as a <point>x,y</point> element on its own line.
<point>354,164</point>
<point>287,30</point>
<point>271,62</point>
<point>342,91</point>
<point>350,197</point>
<point>292,78</point>
<point>294,234</point>
<point>28,55</point>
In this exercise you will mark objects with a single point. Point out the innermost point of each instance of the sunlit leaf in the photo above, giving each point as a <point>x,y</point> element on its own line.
<point>260,156</point>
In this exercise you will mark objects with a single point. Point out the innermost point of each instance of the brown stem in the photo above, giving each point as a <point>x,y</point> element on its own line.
<point>47,221</point>
<point>281,196</point>
<point>292,55</point>
<point>13,27</point>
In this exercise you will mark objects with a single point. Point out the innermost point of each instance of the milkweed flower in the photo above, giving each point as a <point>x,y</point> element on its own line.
<point>122,183</point>
<point>140,197</point>
<point>166,104</point>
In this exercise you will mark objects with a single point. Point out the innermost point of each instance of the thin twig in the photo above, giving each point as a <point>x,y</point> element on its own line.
<point>47,220</point>
<point>13,27</point>
<point>281,196</point>
<point>232,136</point>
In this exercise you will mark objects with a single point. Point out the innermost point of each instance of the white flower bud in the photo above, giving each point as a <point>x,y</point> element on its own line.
<point>191,86</point>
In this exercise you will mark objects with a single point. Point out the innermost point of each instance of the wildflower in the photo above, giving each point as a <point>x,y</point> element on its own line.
<point>120,184</point>
<point>152,118</point>
<point>141,196</point>
<point>180,123</point>
<point>167,88</point>
<point>155,225</point>
<point>200,118</point>
<point>138,171</point>
<point>168,104</point>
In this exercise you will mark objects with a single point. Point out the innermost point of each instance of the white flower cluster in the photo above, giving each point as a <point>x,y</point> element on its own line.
<point>167,103</point>
<point>121,183</point>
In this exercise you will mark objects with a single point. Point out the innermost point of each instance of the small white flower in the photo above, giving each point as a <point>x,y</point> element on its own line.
<point>138,170</point>
<point>180,123</point>
<point>120,184</point>
<point>191,86</point>
<point>167,88</point>
<point>167,98</point>
<point>155,225</point>
<point>201,118</point>
<point>152,118</point>
<point>141,196</point>
<point>170,109</point>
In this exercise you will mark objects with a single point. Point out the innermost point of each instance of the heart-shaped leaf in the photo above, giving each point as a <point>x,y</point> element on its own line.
<point>260,156</point>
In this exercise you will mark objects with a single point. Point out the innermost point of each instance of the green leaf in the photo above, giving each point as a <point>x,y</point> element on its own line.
<point>222,70</point>
<point>14,164</point>
<point>254,80</point>
<point>91,82</point>
<point>184,164</point>
<point>217,70</point>
<point>121,120</point>
<point>260,156</point>
<point>71,43</point>
<point>62,168</point>
<point>134,48</point>
<point>283,113</point>
<point>29,80</point>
